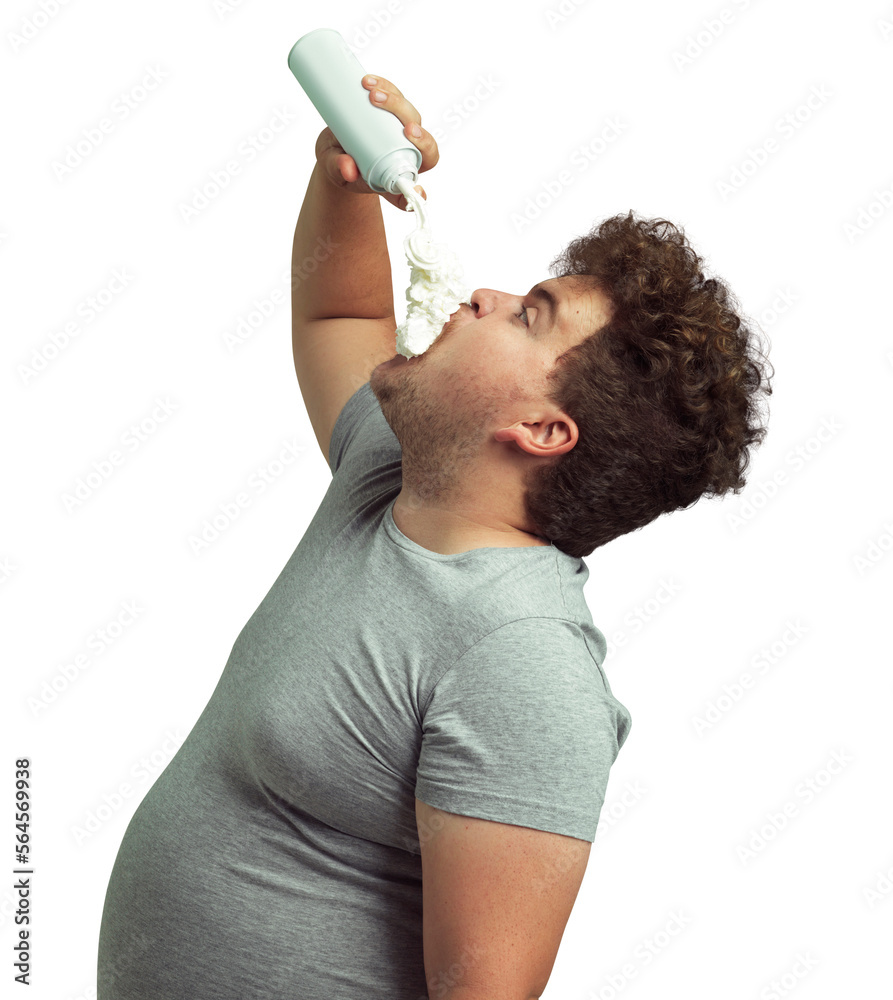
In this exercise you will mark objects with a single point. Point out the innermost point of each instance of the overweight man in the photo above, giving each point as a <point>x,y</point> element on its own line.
<point>394,788</point>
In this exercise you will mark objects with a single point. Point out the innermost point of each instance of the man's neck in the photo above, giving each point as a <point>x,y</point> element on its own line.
<point>449,534</point>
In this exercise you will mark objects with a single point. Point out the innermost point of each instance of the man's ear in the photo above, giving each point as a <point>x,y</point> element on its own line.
<point>542,438</point>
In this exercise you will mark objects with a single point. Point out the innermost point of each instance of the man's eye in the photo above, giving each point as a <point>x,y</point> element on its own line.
<point>524,314</point>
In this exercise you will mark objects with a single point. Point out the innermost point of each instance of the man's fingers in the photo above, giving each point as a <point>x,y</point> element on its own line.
<point>347,167</point>
<point>382,84</point>
<point>426,145</point>
<point>383,94</point>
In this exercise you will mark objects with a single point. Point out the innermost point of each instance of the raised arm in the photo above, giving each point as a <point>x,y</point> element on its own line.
<point>343,321</point>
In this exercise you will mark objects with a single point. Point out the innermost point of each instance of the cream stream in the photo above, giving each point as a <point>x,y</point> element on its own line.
<point>436,283</point>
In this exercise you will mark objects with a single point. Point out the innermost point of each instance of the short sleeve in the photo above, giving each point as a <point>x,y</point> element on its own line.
<point>523,730</point>
<point>351,418</point>
<point>362,441</point>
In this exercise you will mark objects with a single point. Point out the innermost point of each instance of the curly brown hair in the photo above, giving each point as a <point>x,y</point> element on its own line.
<point>666,395</point>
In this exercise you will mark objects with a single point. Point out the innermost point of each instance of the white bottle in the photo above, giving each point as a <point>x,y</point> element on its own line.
<point>331,76</point>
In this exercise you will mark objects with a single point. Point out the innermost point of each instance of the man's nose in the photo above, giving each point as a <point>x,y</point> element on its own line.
<point>487,300</point>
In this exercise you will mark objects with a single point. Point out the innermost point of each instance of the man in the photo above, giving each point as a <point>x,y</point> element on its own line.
<point>472,417</point>
<point>394,788</point>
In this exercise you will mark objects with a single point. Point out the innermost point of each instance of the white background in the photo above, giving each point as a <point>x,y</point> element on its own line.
<point>798,565</point>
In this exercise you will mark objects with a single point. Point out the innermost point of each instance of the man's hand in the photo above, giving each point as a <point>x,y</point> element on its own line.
<point>340,167</point>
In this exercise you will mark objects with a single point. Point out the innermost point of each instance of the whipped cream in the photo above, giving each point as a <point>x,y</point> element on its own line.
<point>436,283</point>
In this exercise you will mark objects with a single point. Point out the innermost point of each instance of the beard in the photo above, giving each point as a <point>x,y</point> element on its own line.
<point>441,428</point>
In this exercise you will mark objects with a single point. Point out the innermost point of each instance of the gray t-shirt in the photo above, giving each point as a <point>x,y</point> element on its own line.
<point>277,855</point>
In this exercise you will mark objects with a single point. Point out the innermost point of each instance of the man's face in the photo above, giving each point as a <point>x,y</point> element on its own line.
<point>486,370</point>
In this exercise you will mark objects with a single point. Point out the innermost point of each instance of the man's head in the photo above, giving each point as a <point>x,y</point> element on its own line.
<point>473,409</point>
<point>638,395</point>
